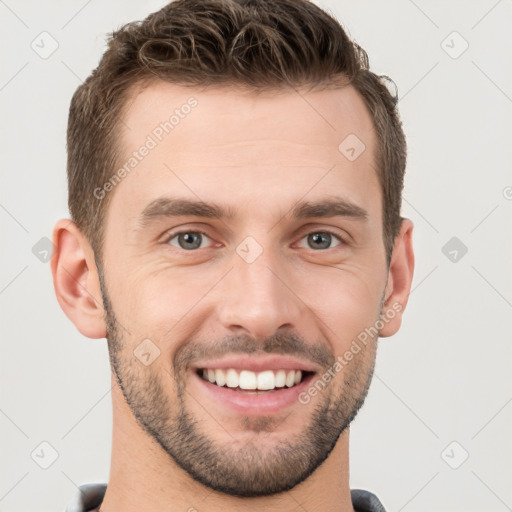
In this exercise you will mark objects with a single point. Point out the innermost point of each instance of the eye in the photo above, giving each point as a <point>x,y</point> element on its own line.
<point>188,240</point>
<point>191,240</point>
<point>322,239</point>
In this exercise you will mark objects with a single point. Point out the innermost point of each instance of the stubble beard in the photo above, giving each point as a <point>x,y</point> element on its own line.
<point>244,469</point>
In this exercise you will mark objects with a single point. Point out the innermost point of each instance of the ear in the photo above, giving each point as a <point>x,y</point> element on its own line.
<point>399,282</point>
<point>75,279</point>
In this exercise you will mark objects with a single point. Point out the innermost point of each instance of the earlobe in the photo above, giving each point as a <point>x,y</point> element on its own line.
<point>400,275</point>
<point>75,279</point>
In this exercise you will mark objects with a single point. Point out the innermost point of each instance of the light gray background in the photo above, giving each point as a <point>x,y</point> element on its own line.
<point>444,377</point>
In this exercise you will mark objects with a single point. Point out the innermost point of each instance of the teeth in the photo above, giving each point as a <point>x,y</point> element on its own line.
<point>266,380</point>
<point>290,379</point>
<point>245,379</point>
<point>280,379</point>
<point>220,377</point>
<point>231,378</point>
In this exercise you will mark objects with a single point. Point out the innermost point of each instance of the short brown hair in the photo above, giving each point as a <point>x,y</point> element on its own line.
<point>259,44</point>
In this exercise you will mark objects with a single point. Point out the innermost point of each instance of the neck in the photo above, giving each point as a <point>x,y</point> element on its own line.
<point>144,477</point>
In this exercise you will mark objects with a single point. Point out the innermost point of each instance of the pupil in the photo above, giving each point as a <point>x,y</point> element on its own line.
<point>189,239</point>
<point>317,238</point>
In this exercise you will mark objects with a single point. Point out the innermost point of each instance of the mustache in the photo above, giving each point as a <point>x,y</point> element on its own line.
<point>289,344</point>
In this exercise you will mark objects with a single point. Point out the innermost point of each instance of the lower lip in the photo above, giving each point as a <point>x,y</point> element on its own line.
<point>251,403</point>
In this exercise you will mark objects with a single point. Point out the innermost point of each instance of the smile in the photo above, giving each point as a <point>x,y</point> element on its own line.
<point>246,380</point>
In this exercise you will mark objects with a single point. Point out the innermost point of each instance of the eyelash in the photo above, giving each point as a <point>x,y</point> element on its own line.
<point>323,231</point>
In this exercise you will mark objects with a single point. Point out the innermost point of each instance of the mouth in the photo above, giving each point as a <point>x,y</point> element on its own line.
<point>252,385</point>
<point>251,382</point>
<point>250,392</point>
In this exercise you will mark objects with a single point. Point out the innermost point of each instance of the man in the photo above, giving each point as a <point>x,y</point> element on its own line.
<point>235,175</point>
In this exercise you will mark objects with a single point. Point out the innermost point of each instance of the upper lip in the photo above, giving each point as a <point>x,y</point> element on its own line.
<point>257,363</point>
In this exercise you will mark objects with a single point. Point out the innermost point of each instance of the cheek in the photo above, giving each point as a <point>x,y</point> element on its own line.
<point>346,303</point>
<point>159,304</point>
<point>168,302</point>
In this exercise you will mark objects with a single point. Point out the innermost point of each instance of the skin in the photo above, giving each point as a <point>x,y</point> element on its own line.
<point>259,154</point>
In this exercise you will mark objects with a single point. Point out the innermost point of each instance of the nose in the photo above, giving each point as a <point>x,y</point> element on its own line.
<point>257,299</point>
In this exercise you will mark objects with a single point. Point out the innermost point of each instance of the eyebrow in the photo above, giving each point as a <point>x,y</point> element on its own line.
<point>165,207</point>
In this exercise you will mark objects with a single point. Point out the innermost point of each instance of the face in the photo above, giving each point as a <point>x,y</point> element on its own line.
<point>243,256</point>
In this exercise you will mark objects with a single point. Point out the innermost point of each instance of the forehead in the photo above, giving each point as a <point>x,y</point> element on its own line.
<point>236,144</point>
<point>220,115</point>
